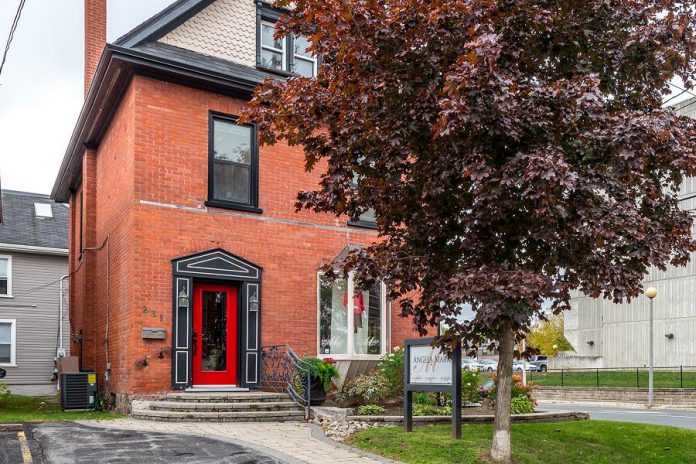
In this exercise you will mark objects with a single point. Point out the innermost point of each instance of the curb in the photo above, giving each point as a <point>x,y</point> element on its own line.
<point>543,416</point>
<point>11,427</point>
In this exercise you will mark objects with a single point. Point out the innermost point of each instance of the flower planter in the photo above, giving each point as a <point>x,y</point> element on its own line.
<point>316,390</point>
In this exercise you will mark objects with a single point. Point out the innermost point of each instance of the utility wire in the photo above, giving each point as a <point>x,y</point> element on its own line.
<point>11,35</point>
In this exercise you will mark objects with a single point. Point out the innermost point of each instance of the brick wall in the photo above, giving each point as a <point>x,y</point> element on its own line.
<point>151,173</point>
<point>95,37</point>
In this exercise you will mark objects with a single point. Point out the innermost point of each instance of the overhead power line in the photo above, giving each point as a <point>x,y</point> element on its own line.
<point>11,35</point>
<point>683,91</point>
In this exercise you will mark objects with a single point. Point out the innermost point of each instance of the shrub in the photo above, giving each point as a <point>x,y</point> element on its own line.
<point>392,369</point>
<point>521,404</point>
<point>4,392</point>
<point>424,398</point>
<point>470,385</point>
<point>324,370</point>
<point>370,388</point>
<point>370,410</point>
<point>430,410</point>
<point>518,388</point>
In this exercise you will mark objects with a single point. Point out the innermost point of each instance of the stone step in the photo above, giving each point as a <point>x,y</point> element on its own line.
<point>222,407</point>
<point>227,397</point>
<point>246,416</point>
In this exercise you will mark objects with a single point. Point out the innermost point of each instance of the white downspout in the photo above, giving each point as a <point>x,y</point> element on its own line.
<point>61,351</point>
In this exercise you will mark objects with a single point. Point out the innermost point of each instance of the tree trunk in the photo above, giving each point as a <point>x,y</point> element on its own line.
<point>501,451</point>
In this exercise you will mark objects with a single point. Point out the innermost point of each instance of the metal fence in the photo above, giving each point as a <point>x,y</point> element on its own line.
<point>664,377</point>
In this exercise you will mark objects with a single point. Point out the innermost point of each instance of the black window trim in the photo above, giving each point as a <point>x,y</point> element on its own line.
<point>253,205</point>
<point>266,13</point>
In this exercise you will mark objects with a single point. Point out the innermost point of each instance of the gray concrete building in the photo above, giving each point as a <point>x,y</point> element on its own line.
<point>616,335</point>
<point>33,262</point>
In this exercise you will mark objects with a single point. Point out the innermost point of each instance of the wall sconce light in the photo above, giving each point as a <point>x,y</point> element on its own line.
<point>670,336</point>
<point>253,302</point>
<point>183,298</point>
<point>590,343</point>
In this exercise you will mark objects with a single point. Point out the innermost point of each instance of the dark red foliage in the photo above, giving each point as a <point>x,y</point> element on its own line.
<point>514,150</point>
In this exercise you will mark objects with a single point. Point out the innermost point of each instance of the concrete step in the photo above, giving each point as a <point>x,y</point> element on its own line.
<point>246,416</point>
<point>195,406</point>
<point>227,397</point>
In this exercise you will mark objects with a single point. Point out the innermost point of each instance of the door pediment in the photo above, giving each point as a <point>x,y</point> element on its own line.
<point>217,264</point>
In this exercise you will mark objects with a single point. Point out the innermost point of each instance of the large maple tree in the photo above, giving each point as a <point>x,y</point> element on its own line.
<point>513,151</point>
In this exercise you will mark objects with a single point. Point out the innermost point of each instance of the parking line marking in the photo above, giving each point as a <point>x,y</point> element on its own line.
<point>26,454</point>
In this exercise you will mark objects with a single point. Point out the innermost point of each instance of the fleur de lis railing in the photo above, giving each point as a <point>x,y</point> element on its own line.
<point>283,371</point>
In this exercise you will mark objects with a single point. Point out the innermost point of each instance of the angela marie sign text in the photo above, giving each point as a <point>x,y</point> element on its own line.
<point>429,366</point>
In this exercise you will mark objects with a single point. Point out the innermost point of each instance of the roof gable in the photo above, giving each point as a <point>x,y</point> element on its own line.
<point>163,22</point>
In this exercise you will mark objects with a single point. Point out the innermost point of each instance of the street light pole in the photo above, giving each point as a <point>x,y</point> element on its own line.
<point>651,293</point>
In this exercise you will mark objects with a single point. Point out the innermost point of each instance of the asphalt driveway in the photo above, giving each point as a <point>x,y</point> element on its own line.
<point>69,443</point>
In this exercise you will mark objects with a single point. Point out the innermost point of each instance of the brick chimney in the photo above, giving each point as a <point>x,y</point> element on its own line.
<point>95,37</point>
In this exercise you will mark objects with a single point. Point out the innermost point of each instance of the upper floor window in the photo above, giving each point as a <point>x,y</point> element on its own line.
<point>5,276</point>
<point>272,50</point>
<point>233,165</point>
<point>287,54</point>
<point>7,342</point>
<point>366,219</point>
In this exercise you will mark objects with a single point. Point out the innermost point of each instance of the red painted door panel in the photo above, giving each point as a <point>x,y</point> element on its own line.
<point>214,334</point>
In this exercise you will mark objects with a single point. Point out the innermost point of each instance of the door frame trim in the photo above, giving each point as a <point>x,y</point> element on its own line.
<point>217,266</point>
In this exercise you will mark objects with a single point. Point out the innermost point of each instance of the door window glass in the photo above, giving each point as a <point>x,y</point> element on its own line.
<point>214,331</point>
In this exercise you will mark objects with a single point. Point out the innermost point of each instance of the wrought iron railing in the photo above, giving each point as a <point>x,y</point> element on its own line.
<point>283,371</point>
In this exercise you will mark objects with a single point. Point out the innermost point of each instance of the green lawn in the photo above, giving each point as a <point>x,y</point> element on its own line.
<point>39,408</point>
<point>627,378</point>
<point>593,442</point>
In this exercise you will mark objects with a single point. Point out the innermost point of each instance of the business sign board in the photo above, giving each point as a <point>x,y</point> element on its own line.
<point>427,369</point>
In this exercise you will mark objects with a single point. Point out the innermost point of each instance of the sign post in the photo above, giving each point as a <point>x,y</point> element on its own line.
<point>427,369</point>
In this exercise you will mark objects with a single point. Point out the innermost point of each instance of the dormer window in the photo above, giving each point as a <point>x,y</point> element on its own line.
<point>286,55</point>
<point>272,50</point>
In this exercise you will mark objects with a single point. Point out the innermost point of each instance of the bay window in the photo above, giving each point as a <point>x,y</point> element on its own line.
<point>352,324</point>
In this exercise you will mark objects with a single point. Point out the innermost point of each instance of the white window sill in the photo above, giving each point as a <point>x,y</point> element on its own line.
<point>8,365</point>
<point>7,296</point>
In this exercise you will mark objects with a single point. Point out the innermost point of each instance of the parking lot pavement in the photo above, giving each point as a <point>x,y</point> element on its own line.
<point>10,448</point>
<point>70,443</point>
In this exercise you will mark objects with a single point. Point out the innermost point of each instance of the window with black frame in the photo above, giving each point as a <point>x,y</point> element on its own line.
<point>366,219</point>
<point>233,170</point>
<point>287,54</point>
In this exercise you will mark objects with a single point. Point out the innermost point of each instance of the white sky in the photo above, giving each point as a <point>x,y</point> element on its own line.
<point>41,84</point>
<point>41,89</point>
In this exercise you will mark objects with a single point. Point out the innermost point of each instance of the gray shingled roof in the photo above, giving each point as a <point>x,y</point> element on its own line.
<point>20,226</point>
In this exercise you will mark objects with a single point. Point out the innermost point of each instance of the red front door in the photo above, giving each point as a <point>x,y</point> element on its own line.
<point>214,334</point>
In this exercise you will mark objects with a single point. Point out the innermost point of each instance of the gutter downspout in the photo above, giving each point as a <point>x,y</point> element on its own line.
<point>61,351</point>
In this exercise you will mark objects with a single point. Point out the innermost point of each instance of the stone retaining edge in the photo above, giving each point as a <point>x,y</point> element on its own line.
<point>551,416</point>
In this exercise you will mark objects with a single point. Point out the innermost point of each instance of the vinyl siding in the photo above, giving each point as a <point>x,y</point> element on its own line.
<point>37,327</point>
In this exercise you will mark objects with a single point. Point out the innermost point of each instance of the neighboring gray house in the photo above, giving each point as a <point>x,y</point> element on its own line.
<point>33,260</point>
<point>609,335</point>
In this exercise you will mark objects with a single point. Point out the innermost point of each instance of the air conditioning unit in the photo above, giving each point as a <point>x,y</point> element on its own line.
<point>78,390</point>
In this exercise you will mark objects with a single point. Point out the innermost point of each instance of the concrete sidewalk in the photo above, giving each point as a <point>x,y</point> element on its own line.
<point>291,442</point>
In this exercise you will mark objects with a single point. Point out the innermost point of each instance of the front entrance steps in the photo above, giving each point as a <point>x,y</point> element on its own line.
<point>220,407</point>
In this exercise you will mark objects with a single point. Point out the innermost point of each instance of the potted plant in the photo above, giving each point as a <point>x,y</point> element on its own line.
<point>322,371</point>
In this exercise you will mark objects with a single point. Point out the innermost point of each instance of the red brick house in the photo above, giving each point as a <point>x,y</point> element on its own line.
<point>182,224</point>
